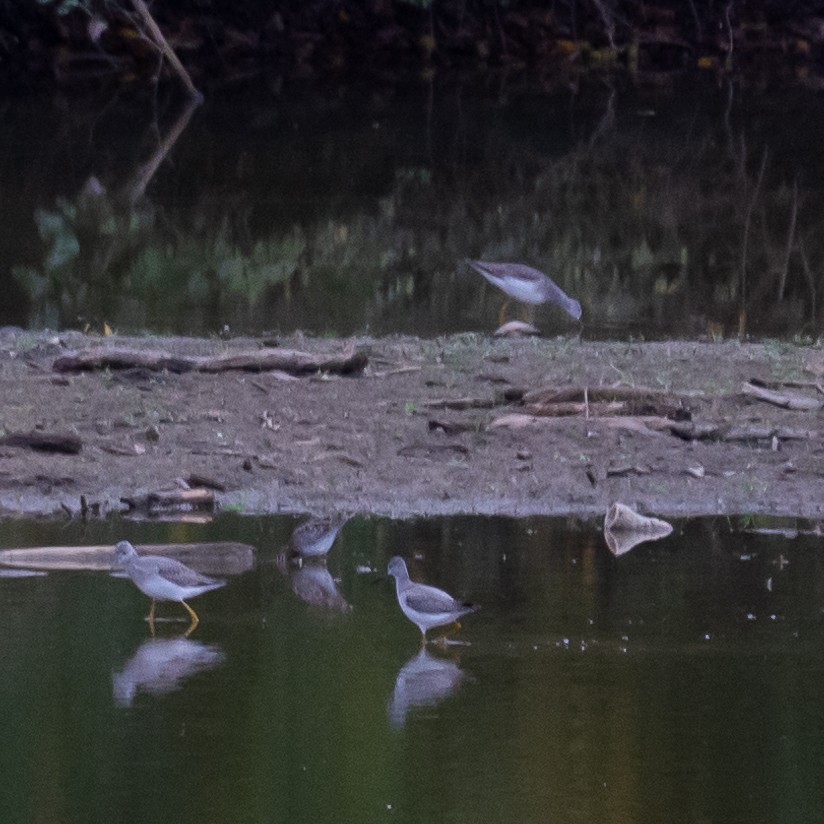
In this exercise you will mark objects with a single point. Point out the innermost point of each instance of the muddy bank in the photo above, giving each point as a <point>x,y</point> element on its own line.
<point>425,427</point>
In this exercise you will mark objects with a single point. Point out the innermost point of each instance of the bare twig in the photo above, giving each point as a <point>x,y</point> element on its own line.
<point>747,222</point>
<point>782,283</point>
<point>156,37</point>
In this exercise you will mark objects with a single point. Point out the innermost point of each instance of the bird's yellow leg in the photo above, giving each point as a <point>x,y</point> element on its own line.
<point>150,617</point>
<point>453,629</point>
<point>192,615</point>
<point>502,316</point>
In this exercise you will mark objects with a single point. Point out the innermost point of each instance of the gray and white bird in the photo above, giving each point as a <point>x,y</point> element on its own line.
<point>422,604</point>
<point>526,285</point>
<point>163,579</point>
<point>314,538</point>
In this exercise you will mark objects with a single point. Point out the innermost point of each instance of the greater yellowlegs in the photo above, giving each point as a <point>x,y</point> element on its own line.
<point>424,605</point>
<point>315,537</point>
<point>526,285</point>
<point>163,579</point>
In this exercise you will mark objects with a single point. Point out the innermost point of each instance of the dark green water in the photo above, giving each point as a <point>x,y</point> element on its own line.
<point>682,682</point>
<point>685,207</point>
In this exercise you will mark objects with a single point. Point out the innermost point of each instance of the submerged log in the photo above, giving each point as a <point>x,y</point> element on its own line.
<point>216,558</point>
<point>347,362</point>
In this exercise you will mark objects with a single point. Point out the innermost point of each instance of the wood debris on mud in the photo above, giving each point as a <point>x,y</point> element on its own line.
<point>422,427</point>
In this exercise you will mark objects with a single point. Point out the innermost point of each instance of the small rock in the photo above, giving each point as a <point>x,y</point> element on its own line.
<point>153,434</point>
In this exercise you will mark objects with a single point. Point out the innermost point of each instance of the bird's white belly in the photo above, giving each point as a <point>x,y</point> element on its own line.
<point>163,590</point>
<point>526,292</point>
<point>430,619</point>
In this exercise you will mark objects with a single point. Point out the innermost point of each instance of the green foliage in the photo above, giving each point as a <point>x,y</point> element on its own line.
<point>56,232</point>
<point>64,6</point>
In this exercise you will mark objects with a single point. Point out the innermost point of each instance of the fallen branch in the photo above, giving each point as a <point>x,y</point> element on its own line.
<point>764,433</point>
<point>596,393</point>
<point>44,442</point>
<point>644,425</point>
<point>347,362</point>
<point>695,430</point>
<point>292,361</point>
<point>786,400</point>
<point>460,403</point>
<point>627,469</point>
<point>589,410</point>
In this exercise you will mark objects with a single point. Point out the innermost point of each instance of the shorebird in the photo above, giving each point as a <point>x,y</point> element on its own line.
<point>526,285</point>
<point>315,537</point>
<point>424,605</point>
<point>163,579</point>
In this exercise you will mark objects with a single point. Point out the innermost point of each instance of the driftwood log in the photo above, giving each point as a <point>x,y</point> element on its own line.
<point>786,400</point>
<point>217,558</point>
<point>348,361</point>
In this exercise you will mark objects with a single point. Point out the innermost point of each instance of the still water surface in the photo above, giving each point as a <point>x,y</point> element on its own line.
<point>682,207</point>
<point>680,682</point>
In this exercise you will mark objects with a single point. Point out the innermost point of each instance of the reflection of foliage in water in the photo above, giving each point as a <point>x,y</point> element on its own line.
<point>644,231</point>
<point>87,245</point>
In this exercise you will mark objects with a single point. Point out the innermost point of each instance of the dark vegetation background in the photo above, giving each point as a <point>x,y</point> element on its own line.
<point>350,153</point>
<point>64,40</point>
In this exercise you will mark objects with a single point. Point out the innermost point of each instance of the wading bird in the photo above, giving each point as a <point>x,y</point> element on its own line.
<point>526,285</point>
<point>163,579</point>
<point>424,605</point>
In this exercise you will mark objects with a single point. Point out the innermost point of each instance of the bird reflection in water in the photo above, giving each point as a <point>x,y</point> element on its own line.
<point>312,582</point>
<point>423,681</point>
<point>162,665</point>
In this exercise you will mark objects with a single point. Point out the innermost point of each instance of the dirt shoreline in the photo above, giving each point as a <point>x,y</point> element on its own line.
<point>374,442</point>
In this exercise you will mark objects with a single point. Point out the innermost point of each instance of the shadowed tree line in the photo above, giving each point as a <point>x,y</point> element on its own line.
<point>73,41</point>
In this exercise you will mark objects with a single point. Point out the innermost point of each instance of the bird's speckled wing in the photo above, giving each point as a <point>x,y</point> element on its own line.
<point>175,572</point>
<point>497,271</point>
<point>430,600</point>
<point>545,287</point>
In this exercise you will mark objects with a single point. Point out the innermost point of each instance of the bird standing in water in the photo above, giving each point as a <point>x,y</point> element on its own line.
<point>163,579</point>
<point>526,285</point>
<point>424,605</point>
